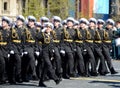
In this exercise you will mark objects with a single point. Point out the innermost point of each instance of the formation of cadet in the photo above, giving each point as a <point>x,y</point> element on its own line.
<point>55,49</point>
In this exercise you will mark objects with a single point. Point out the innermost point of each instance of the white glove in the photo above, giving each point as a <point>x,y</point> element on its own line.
<point>8,55</point>
<point>75,49</point>
<point>25,52</point>
<point>43,30</point>
<point>53,51</point>
<point>22,54</point>
<point>110,50</point>
<point>62,51</point>
<point>52,58</point>
<point>12,52</point>
<point>37,53</point>
<point>85,50</point>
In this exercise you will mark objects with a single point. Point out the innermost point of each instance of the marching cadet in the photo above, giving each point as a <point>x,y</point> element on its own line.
<point>28,62</point>
<point>47,49</point>
<point>107,41</point>
<point>79,41</point>
<point>56,33</point>
<point>4,44</point>
<point>68,36</point>
<point>16,51</point>
<point>38,51</point>
<point>89,46</point>
<point>102,69</point>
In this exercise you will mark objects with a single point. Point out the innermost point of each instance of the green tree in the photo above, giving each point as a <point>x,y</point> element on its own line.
<point>58,7</point>
<point>34,7</point>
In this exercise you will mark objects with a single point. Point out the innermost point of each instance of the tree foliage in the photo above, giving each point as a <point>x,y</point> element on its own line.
<point>58,7</point>
<point>34,7</point>
<point>38,9</point>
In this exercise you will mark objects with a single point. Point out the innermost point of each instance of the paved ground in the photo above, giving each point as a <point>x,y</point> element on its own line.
<point>109,81</point>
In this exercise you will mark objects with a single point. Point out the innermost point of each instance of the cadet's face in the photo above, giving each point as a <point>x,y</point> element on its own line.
<point>56,23</point>
<point>48,29</point>
<point>19,22</point>
<point>92,24</point>
<point>69,24</point>
<point>4,24</point>
<point>31,23</point>
<point>109,26</point>
<point>82,25</point>
<point>100,25</point>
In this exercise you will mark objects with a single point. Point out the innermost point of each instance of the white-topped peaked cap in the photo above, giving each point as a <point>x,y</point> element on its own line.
<point>64,22</point>
<point>84,20</point>
<point>110,21</point>
<point>76,22</point>
<point>57,18</point>
<point>20,17</point>
<point>31,18</point>
<point>7,19</point>
<point>44,19</point>
<point>100,21</point>
<point>48,24</point>
<point>70,19</point>
<point>38,24</point>
<point>93,20</point>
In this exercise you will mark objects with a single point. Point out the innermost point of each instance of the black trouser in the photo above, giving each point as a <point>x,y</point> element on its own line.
<point>14,67</point>
<point>79,60</point>
<point>89,58</point>
<point>68,60</point>
<point>57,62</point>
<point>3,63</point>
<point>48,68</point>
<point>28,62</point>
<point>40,64</point>
<point>2,67</point>
<point>106,53</point>
<point>99,55</point>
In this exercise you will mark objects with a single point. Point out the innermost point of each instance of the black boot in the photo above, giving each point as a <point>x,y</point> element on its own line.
<point>41,84</point>
<point>112,70</point>
<point>57,81</point>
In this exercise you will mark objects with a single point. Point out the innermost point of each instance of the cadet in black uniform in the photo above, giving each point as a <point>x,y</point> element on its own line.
<point>47,48</point>
<point>57,45</point>
<point>79,41</point>
<point>4,44</point>
<point>29,43</point>
<point>102,69</point>
<point>68,36</point>
<point>107,41</point>
<point>89,45</point>
<point>38,51</point>
<point>16,51</point>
